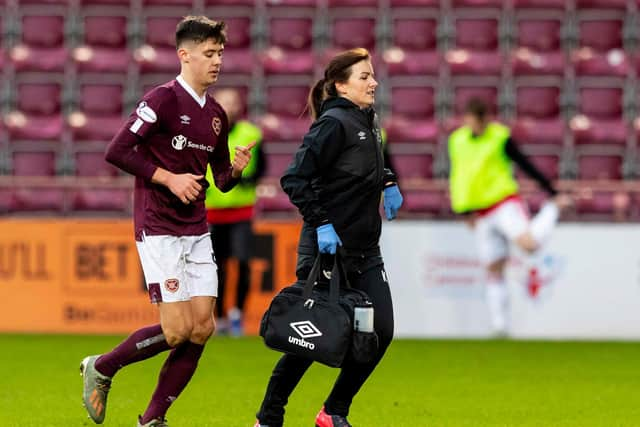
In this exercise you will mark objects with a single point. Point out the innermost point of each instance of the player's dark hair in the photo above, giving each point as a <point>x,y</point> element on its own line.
<point>199,29</point>
<point>477,108</point>
<point>338,71</point>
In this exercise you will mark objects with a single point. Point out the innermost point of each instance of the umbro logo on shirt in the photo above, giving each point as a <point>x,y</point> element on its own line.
<point>362,135</point>
<point>185,120</point>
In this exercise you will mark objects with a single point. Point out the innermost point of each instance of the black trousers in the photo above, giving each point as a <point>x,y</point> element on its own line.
<point>232,240</point>
<point>367,274</point>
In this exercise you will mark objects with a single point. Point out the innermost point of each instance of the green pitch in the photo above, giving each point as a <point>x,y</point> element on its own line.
<point>419,383</point>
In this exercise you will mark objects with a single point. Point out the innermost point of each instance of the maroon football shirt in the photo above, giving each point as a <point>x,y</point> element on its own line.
<point>172,129</point>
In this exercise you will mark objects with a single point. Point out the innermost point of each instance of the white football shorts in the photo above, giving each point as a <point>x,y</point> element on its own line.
<point>496,229</point>
<point>177,268</point>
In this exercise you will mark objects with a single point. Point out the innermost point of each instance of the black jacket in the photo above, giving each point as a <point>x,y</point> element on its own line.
<point>338,174</point>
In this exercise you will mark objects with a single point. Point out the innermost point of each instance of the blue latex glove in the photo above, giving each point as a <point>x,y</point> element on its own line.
<point>328,240</point>
<point>392,201</point>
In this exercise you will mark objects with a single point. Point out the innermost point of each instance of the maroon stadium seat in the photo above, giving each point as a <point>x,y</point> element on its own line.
<point>414,3</point>
<point>532,131</point>
<point>604,204</point>
<point>463,61</point>
<point>185,3</point>
<point>412,111</point>
<point>6,200</point>
<point>537,121</point>
<point>538,101</point>
<point>42,44</point>
<point>278,61</point>
<point>100,112</point>
<point>588,62</point>
<point>33,163</point>
<point>105,2</point>
<point>160,30</point>
<point>601,121</point>
<point>283,128</point>
<point>91,164</point>
<point>277,163</point>
<point>463,94</point>
<point>354,3</point>
<point>478,3</point>
<point>353,32</point>
<point>476,34</point>
<point>275,203</point>
<point>238,32</point>
<point>599,167</point>
<point>94,128</point>
<point>101,98</point>
<point>413,101</point>
<point>601,101</point>
<point>412,165</point>
<point>23,127</point>
<point>601,35</point>
<point>288,101</point>
<point>105,45</point>
<point>38,200</point>
<point>415,33</point>
<point>291,33</point>
<point>425,201</point>
<point>401,62</point>
<point>549,165</point>
<point>540,35</point>
<point>40,99</point>
<point>541,4</point>
<point>527,62</point>
<point>604,4</point>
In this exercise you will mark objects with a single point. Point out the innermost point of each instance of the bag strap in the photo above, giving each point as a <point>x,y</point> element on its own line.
<point>338,276</point>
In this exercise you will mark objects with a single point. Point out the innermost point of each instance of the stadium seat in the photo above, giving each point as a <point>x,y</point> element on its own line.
<point>415,33</point>
<point>99,98</point>
<point>40,99</point>
<point>601,48</point>
<point>402,62</point>
<point>540,4</point>
<point>347,33</point>
<point>29,200</point>
<point>478,3</point>
<point>422,4</point>
<point>105,45</point>
<point>23,127</point>
<point>599,167</point>
<point>463,94</point>
<point>353,3</point>
<point>538,120</point>
<point>604,205</point>
<point>425,201</point>
<point>549,165</point>
<point>42,44</point>
<point>601,120</point>
<point>412,115</point>
<point>284,129</point>
<point>92,164</point>
<point>158,54</point>
<point>277,163</point>
<point>601,4</point>
<point>412,165</point>
<point>278,202</point>
<point>289,101</point>
<point>476,34</point>
<point>541,35</point>
<point>547,132</point>
<point>33,163</point>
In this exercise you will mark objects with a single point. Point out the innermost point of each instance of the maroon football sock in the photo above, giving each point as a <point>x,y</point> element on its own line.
<point>140,345</point>
<point>174,377</point>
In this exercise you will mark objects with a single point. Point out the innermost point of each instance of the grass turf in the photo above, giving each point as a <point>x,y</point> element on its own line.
<point>419,383</point>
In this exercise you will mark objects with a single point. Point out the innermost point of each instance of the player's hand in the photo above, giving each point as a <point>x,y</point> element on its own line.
<point>185,186</point>
<point>241,159</point>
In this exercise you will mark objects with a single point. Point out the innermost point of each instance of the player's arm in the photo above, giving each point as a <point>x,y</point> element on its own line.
<point>518,157</point>
<point>319,150</point>
<point>123,150</point>
<point>225,174</point>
